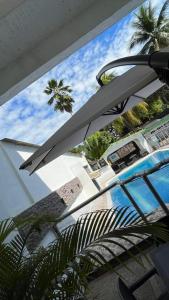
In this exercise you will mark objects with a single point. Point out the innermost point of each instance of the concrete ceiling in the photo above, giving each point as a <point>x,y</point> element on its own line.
<point>35,35</point>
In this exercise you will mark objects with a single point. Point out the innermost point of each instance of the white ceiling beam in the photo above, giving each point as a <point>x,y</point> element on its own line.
<point>33,63</point>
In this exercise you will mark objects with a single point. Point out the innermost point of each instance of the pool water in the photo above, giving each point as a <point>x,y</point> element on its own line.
<point>138,189</point>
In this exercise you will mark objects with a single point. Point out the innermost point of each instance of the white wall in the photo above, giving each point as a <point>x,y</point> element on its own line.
<point>106,175</point>
<point>19,190</point>
<point>137,137</point>
<point>13,197</point>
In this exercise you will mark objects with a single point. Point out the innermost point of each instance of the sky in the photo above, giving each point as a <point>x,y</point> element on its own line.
<point>27,117</point>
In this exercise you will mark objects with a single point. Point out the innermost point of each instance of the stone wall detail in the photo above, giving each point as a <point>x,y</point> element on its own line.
<point>70,191</point>
<point>52,205</point>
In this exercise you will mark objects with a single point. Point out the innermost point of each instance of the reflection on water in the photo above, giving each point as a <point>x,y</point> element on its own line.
<point>138,189</point>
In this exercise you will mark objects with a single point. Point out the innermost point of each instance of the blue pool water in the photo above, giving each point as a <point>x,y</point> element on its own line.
<point>138,189</point>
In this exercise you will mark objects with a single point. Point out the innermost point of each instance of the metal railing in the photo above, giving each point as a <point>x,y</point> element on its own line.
<point>159,137</point>
<point>123,184</point>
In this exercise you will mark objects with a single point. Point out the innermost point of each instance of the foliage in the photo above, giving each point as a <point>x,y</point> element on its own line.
<point>163,94</point>
<point>77,150</point>
<point>156,106</point>
<point>106,78</point>
<point>151,31</point>
<point>131,120</point>
<point>141,110</point>
<point>119,125</point>
<point>96,144</point>
<point>60,270</point>
<point>128,120</point>
<point>61,96</point>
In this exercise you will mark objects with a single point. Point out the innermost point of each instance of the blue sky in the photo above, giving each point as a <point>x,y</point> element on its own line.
<point>27,117</point>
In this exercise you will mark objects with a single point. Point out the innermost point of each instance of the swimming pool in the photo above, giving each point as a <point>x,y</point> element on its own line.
<point>138,189</point>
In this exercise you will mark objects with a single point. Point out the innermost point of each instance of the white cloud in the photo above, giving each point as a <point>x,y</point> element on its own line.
<point>27,116</point>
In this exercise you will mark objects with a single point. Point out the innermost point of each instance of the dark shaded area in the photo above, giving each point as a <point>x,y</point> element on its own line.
<point>124,256</point>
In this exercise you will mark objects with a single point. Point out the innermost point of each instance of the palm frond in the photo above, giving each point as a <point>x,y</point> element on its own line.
<point>61,97</point>
<point>145,19</point>
<point>163,39</point>
<point>60,84</point>
<point>162,14</point>
<point>138,38</point>
<point>51,100</point>
<point>61,270</point>
<point>151,11</point>
<point>52,83</point>
<point>48,91</point>
<point>6,227</point>
<point>165,27</point>
<point>149,27</point>
<point>147,48</point>
<point>66,89</point>
<point>89,246</point>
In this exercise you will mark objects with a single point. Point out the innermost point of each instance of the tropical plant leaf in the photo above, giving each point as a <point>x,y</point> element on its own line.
<point>61,269</point>
<point>61,96</point>
<point>163,13</point>
<point>151,29</point>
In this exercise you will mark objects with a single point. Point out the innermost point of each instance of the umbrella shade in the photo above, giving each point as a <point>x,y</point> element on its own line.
<point>135,85</point>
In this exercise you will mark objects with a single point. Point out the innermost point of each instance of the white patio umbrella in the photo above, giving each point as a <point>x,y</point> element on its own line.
<point>102,108</point>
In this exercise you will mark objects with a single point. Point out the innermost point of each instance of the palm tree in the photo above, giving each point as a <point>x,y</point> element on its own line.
<point>96,144</point>
<point>151,31</point>
<point>60,270</point>
<point>61,97</point>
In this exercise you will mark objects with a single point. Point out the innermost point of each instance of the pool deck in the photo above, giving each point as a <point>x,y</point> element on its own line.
<point>164,147</point>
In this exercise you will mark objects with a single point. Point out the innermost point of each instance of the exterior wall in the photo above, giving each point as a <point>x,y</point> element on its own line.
<point>53,206</point>
<point>70,191</point>
<point>143,143</point>
<point>106,175</point>
<point>159,136</point>
<point>107,172</point>
<point>13,197</point>
<point>19,191</point>
<point>89,188</point>
<point>138,138</point>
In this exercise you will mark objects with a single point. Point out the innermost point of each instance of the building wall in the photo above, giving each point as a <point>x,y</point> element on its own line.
<point>53,206</point>
<point>19,191</point>
<point>137,137</point>
<point>107,172</point>
<point>106,175</point>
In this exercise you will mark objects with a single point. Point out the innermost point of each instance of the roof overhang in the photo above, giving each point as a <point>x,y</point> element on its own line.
<point>37,35</point>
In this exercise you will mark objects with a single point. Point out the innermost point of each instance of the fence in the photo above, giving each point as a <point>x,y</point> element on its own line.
<point>158,137</point>
<point>153,182</point>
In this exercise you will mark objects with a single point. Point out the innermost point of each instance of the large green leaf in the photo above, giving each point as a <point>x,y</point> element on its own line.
<point>60,271</point>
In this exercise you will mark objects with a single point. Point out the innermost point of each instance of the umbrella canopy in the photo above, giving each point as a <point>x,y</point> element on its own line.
<point>133,86</point>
